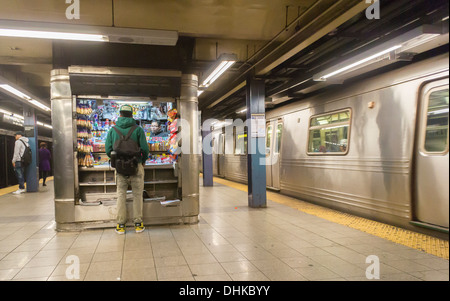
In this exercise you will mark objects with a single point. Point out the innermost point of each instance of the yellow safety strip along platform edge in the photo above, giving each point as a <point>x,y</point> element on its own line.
<point>418,241</point>
<point>10,189</point>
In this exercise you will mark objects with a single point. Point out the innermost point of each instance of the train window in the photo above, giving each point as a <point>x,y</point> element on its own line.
<point>240,146</point>
<point>329,133</point>
<point>269,135</point>
<point>331,119</point>
<point>436,133</point>
<point>278,137</point>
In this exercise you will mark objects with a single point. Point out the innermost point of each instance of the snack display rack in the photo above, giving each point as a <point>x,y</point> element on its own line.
<point>85,183</point>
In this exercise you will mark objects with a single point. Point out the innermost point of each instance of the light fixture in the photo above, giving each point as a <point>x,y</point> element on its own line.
<point>420,40</point>
<point>44,125</point>
<point>132,102</point>
<point>39,105</point>
<point>5,112</point>
<point>52,35</point>
<point>19,119</point>
<point>24,96</point>
<point>386,51</point>
<point>53,31</point>
<point>15,91</point>
<point>18,116</point>
<point>441,111</point>
<point>378,55</point>
<point>13,119</point>
<point>223,63</point>
<point>242,111</point>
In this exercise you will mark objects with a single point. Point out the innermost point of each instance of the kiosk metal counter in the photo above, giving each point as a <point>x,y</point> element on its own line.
<point>85,185</point>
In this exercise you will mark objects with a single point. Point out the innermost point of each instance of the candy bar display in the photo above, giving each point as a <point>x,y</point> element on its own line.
<point>84,134</point>
<point>95,117</point>
<point>173,130</point>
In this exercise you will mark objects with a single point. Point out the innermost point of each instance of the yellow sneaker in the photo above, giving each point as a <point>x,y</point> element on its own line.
<point>120,229</point>
<point>139,227</point>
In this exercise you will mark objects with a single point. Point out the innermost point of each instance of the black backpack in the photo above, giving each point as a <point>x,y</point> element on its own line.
<point>27,156</point>
<point>128,153</point>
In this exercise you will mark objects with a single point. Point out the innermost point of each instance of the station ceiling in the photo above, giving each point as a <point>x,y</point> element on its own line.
<point>282,41</point>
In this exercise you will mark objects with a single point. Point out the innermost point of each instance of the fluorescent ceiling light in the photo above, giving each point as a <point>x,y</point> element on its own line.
<point>24,96</point>
<point>15,92</point>
<point>53,35</point>
<point>442,111</point>
<point>242,111</point>
<point>403,43</point>
<point>224,62</point>
<point>14,120</point>
<point>39,105</point>
<point>365,60</point>
<point>44,125</point>
<point>20,119</point>
<point>137,102</point>
<point>217,72</point>
<point>18,116</point>
<point>199,92</point>
<point>422,39</point>
<point>46,30</point>
<point>5,112</point>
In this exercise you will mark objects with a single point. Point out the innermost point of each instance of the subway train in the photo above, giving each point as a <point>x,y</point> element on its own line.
<point>377,148</point>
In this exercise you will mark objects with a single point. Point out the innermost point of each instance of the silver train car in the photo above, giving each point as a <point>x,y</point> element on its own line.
<point>377,149</point>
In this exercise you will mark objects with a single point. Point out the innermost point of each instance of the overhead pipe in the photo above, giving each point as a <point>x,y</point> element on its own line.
<point>357,8</point>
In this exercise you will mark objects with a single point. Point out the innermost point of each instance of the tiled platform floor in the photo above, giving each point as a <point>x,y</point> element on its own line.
<point>231,242</point>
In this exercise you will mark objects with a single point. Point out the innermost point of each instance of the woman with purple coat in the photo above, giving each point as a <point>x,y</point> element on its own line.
<point>44,161</point>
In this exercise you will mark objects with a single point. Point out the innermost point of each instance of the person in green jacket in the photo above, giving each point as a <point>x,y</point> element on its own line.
<point>123,124</point>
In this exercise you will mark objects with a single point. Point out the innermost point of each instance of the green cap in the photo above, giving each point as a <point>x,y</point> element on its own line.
<point>126,108</point>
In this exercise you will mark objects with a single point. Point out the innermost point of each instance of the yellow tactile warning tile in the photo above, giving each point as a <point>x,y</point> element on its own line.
<point>418,241</point>
<point>10,189</point>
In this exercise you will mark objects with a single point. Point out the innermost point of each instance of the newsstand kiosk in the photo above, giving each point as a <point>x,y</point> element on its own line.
<point>85,183</point>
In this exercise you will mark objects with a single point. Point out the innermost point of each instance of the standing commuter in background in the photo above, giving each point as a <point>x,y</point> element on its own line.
<point>44,162</point>
<point>19,150</point>
<point>129,165</point>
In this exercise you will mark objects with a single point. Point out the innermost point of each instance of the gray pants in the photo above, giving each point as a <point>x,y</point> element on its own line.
<point>137,186</point>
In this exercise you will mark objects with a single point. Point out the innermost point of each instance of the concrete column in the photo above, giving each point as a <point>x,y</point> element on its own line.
<point>64,141</point>
<point>207,160</point>
<point>31,132</point>
<point>256,168</point>
<point>189,159</point>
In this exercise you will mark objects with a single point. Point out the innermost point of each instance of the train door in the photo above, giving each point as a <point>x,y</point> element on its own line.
<point>215,160</point>
<point>274,130</point>
<point>431,155</point>
<point>221,155</point>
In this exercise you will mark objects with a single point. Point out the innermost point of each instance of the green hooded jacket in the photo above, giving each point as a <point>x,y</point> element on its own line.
<point>124,124</point>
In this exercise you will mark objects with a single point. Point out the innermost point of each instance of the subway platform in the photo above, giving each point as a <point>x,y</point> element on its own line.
<point>290,240</point>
